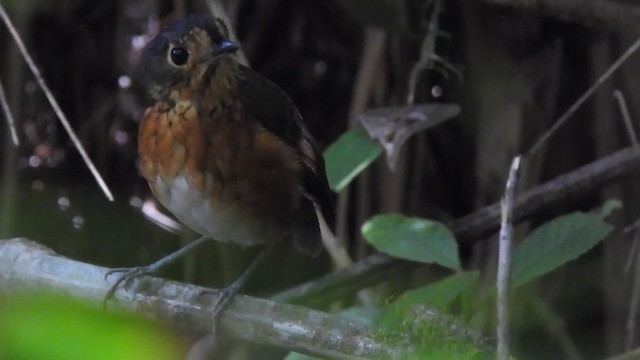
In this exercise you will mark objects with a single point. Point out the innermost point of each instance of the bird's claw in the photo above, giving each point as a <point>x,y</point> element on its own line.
<point>223,298</point>
<point>128,274</point>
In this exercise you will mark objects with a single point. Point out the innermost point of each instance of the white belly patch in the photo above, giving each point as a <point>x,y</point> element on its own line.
<point>222,222</point>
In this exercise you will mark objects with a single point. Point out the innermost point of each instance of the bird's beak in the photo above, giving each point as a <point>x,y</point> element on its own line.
<point>226,47</point>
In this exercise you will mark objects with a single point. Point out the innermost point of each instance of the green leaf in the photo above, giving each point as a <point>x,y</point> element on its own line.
<point>52,328</point>
<point>610,206</point>
<point>298,356</point>
<point>555,243</point>
<point>439,294</point>
<point>348,156</point>
<point>413,239</point>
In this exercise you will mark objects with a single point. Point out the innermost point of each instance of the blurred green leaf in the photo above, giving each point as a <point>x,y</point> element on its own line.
<point>51,328</point>
<point>413,239</point>
<point>610,206</point>
<point>298,356</point>
<point>348,156</point>
<point>555,243</point>
<point>441,293</point>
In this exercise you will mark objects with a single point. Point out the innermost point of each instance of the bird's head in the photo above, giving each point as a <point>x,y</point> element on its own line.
<point>182,51</point>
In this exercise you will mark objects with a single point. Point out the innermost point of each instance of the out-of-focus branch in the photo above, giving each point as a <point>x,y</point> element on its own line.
<point>27,266</point>
<point>600,14</point>
<point>327,289</point>
<point>580,181</point>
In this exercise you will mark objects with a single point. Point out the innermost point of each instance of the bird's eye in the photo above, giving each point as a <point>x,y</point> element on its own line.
<point>179,56</point>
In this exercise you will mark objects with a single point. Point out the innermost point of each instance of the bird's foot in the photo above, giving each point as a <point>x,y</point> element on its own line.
<point>127,274</point>
<point>224,297</point>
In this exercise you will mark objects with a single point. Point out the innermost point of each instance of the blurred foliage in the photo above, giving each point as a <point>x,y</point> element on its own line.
<point>46,327</point>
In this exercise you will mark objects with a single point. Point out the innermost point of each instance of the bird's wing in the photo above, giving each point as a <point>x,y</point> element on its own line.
<point>269,105</point>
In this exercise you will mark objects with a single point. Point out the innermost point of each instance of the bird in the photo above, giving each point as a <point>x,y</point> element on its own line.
<point>224,149</point>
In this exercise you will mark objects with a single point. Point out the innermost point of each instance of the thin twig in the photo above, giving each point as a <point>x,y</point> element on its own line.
<point>54,104</point>
<point>328,288</point>
<point>563,119</point>
<point>335,248</point>
<point>8,116</point>
<point>504,260</point>
<point>427,52</point>
<point>626,118</point>
<point>631,227</point>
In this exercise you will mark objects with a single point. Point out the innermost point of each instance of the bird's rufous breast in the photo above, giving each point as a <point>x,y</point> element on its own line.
<point>218,171</point>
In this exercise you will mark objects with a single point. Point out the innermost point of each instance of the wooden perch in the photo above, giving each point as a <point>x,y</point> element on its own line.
<point>26,266</point>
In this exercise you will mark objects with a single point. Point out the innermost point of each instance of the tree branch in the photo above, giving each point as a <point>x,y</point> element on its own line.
<point>26,266</point>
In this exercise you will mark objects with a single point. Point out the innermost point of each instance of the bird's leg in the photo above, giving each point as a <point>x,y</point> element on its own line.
<point>208,345</point>
<point>227,294</point>
<point>134,272</point>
